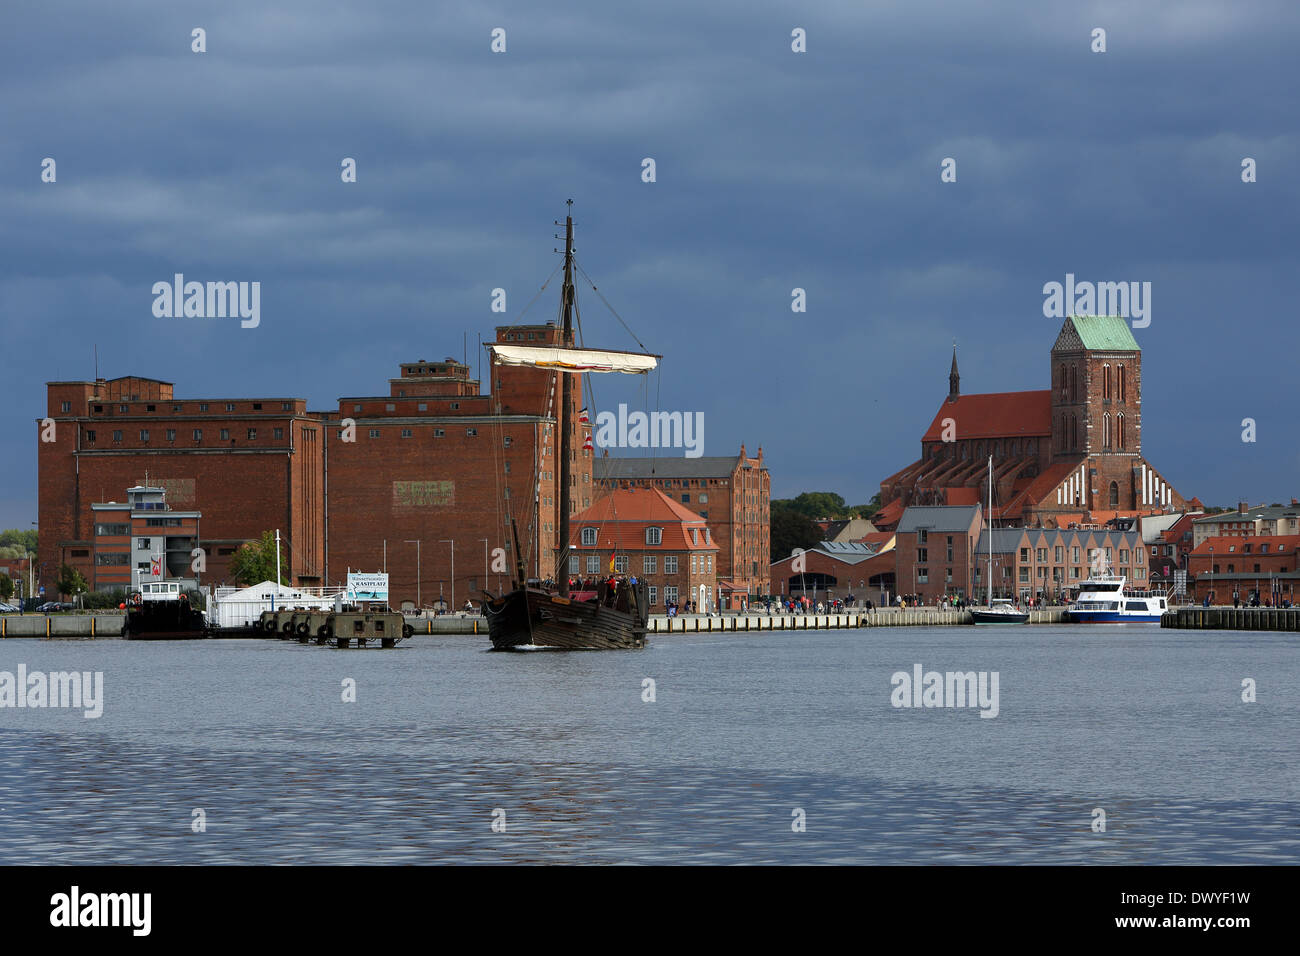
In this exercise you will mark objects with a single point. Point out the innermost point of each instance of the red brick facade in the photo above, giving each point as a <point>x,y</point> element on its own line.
<point>432,461</point>
<point>732,493</point>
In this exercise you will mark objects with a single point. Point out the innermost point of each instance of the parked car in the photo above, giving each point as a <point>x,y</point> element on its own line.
<point>50,606</point>
<point>7,608</point>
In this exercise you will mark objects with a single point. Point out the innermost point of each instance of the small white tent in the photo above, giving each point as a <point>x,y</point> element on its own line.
<point>232,607</point>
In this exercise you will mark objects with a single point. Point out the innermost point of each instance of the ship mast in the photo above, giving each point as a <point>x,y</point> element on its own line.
<point>566,391</point>
<point>989,519</point>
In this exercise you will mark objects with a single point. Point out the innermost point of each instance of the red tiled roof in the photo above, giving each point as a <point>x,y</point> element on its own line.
<point>876,537</point>
<point>1277,543</point>
<point>995,415</point>
<point>889,514</point>
<point>962,496</point>
<point>622,515</point>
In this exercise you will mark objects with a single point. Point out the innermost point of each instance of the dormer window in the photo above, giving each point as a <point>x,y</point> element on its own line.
<point>589,537</point>
<point>654,535</point>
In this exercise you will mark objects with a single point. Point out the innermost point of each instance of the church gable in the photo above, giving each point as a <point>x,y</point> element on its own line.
<point>1068,340</point>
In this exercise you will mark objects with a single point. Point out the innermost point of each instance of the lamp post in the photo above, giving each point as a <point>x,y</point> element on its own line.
<point>451,542</point>
<point>418,606</point>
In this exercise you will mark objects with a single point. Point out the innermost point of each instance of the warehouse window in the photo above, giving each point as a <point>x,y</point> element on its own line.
<point>144,434</point>
<point>406,433</point>
<point>225,434</point>
<point>198,434</point>
<point>257,406</point>
<point>90,437</point>
<point>374,433</point>
<point>67,406</point>
<point>279,433</point>
<point>439,433</point>
<point>230,406</point>
<point>203,406</point>
<point>171,434</point>
<point>471,432</point>
<point>117,435</point>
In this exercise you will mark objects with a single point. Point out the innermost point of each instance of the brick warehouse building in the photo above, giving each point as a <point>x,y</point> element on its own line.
<point>732,492</point>
<point>1070,454</point>
<point>432,461</point>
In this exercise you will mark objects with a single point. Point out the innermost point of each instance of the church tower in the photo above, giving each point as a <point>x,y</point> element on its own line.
<point>1096,389</point>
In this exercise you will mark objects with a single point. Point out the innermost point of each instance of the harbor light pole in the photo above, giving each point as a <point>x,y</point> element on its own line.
<point>416,542</point>
<point>452,542</point>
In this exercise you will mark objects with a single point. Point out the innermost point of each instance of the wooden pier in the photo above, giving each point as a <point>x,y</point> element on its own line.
<point>1233,618</point>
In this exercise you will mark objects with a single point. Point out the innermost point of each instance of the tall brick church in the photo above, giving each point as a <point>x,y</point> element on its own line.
<point>1065,455</point>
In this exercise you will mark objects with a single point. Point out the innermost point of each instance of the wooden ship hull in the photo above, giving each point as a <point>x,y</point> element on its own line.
<point>534,617</point>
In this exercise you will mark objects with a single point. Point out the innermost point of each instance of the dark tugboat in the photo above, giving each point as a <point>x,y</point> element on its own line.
<point>161,611</point>
<point>540,614</point>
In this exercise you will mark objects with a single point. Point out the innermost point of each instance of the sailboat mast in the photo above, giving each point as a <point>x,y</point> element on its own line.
<point>566,391</point>
<point>989,520</point>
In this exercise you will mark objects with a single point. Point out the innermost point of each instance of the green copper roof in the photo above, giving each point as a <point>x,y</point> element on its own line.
<point>1105,333</point>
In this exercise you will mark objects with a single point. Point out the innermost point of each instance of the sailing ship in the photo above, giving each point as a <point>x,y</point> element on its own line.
<point>161,611</point>
<point>543,614</point>
<point>1001,611</point>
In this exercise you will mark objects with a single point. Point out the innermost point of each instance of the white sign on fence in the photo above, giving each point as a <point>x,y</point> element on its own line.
<point>367,587</point>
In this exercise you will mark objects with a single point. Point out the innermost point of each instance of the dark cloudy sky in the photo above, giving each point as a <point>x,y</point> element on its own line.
<point>775,170</point>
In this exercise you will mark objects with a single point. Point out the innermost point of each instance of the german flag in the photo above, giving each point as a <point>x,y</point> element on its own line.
<point>611,560</point>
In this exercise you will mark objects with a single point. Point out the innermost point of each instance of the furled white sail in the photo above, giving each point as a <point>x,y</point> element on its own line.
<point>573,360</point>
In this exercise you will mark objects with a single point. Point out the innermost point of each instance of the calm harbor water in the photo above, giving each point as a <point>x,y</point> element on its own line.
<point>745,729</point>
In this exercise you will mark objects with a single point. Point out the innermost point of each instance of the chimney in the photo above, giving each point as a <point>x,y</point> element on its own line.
<point>1241,507</point>
<point>1295,503</point>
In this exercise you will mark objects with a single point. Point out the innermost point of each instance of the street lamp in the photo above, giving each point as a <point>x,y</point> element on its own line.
<point>453,568</point>
<point>416,542</point>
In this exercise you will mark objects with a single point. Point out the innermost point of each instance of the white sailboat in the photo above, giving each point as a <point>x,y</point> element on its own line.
<point>1001,611</point>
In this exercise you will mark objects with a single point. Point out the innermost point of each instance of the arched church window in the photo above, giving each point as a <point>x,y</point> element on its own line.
<point>1074,383</point>
<point>1119,431</point>
<point>1105,382</point>
<point>1114,494</point>
<point>1105,431</point>
<point>1122,396</point>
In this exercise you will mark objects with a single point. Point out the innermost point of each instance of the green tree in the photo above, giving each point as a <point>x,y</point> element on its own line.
<point>6,587</point>
<point>15,538</point>
<point>254,562</point>
<point>789,530</point>
<point>70,581</point>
